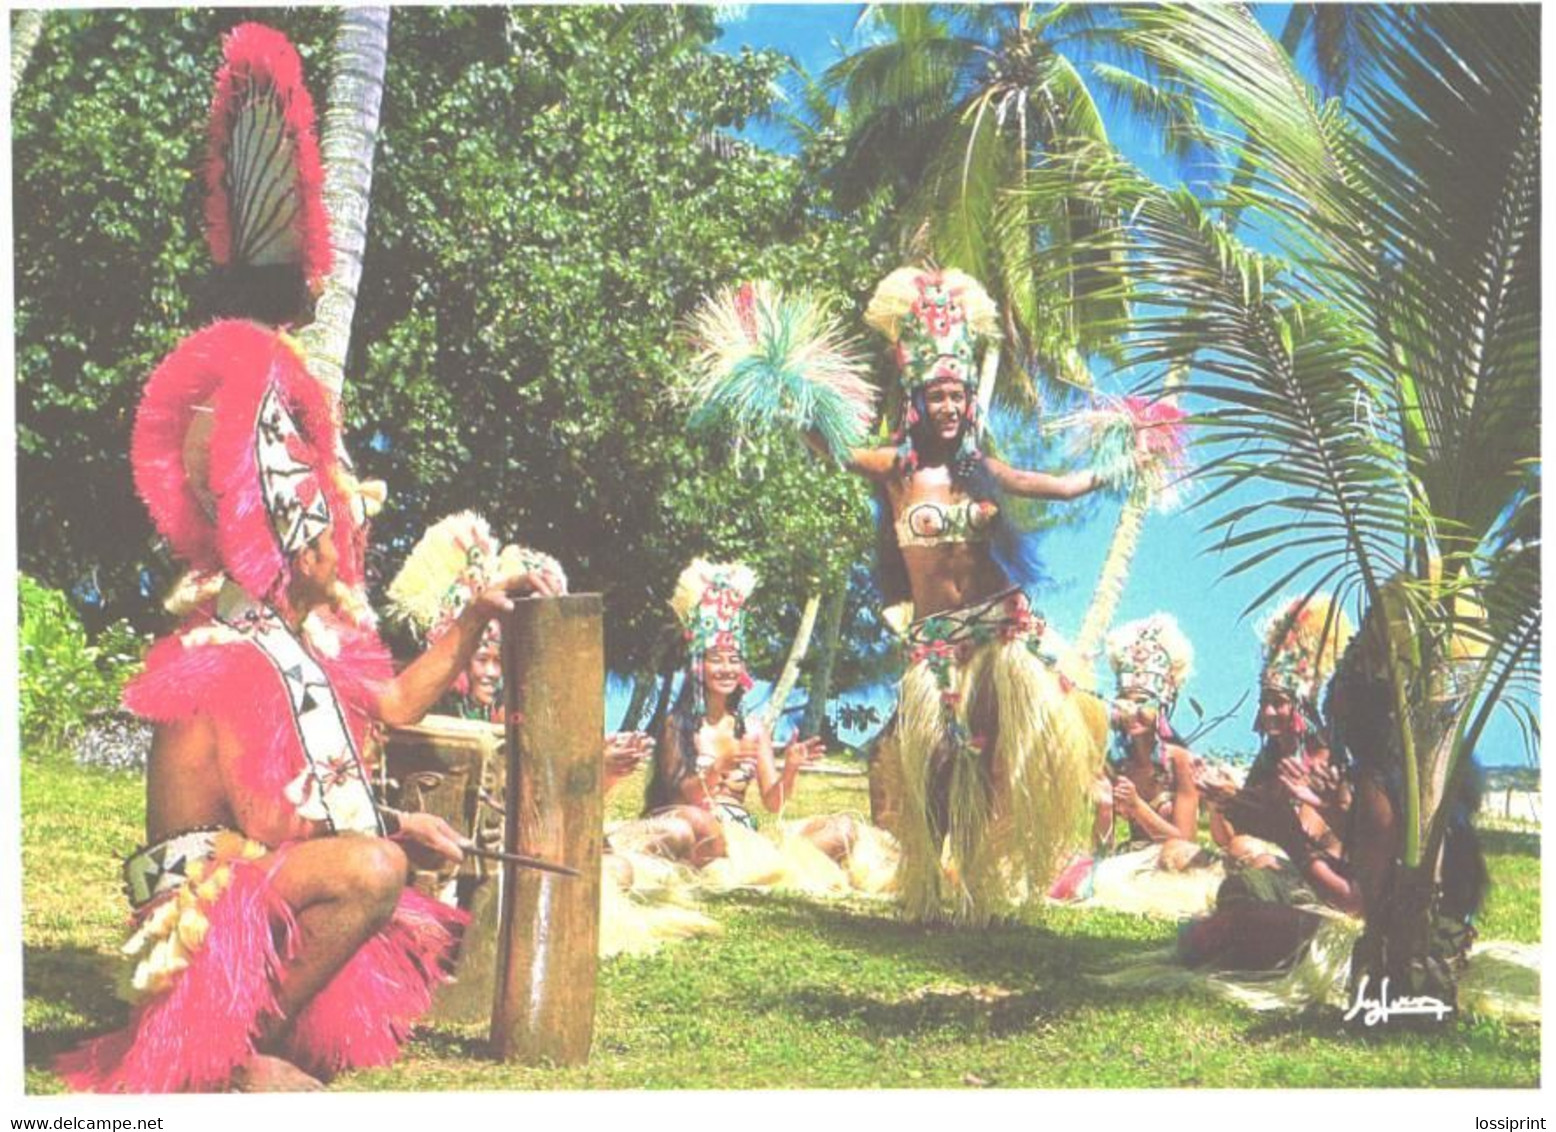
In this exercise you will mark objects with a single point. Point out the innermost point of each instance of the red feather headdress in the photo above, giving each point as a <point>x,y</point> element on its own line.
<point>236,454</point>
<point>264,180</point>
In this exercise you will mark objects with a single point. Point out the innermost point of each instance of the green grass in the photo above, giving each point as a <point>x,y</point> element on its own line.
<point>808,995</point>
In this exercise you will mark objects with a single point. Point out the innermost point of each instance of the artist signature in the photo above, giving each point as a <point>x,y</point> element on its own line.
<point>1377,1010</point>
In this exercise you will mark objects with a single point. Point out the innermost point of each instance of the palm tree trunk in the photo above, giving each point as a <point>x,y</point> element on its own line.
<point>791,667</point>
<point>350,135</point>
<point>826,657</point>
<point>25,33</point>
<point>1110,588</point>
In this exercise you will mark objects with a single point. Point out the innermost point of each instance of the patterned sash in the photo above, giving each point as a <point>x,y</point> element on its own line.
<point>333,787</point>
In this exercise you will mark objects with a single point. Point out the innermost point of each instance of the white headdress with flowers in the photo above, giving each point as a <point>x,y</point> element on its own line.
<point>455,560</point>
<point>1303,641</point>
<point>1153,656</point>
<point>710,600</point>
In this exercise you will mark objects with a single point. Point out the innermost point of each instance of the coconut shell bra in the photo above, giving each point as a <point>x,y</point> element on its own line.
<point>930,523</point>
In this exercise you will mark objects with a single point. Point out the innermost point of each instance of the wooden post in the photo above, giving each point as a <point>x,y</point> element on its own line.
<point>554,677</point>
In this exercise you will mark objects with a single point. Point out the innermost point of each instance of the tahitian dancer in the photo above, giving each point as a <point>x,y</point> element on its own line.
<point>995,755</point>
<point>711,755</point>
<point>1151,784</point>
<point>1283,829</point>
<point>276,940</point>
<point>992,754</point>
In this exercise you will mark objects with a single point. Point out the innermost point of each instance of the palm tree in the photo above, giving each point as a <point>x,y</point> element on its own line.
<point>946,112</point>
<point>1377,373</point>
<point>26,30</point>
<point>350,135</point>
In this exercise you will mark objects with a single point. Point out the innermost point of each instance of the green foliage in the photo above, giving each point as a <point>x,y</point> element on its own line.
<point>554,189</point>
<point>64,677</point>
<point>553,195</point>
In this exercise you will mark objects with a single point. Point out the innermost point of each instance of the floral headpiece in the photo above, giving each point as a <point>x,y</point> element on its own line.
<point>455,560</point>
<point>710,601</point>
<point>936,320</point>
<point>1153,656</point>
<point>1303,642</point>
<point>264,180</point>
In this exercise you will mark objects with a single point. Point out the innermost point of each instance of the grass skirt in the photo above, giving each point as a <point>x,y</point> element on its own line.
<point>987,724</point>
<point>1132,882</point>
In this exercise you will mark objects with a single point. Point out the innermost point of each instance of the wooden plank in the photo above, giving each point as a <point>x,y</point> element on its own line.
<point>554,680</point>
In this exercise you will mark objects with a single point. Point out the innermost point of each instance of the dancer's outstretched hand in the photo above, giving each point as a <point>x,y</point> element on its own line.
<point>624,750</point>
<point>1216,784</point>
<point>1298,782</point>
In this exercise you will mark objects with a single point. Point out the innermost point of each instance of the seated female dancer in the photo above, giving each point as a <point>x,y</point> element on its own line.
<point>1152,784</point>
<point>1282,828</point>
<point>710,754</point>
<point>994,754</point>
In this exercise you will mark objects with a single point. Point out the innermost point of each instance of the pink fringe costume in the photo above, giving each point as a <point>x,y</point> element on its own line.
<point>194,1034</point>
<point>237,454</point>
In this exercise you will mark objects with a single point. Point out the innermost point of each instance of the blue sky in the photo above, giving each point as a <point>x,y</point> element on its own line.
<point>1176,567</point>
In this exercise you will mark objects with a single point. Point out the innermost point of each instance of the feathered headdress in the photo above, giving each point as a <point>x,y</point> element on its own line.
<point>235,452</point>
<point>454,561</point>
<point>1303,641</point>
<point>264,181</point>
<point>1152,656</point>
<point>709,601</point>
<point>937,320</point>
<point>765,358</point>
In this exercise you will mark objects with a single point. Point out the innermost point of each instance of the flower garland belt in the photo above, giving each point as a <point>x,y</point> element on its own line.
<point>944,639</point>
<point>172,886</point>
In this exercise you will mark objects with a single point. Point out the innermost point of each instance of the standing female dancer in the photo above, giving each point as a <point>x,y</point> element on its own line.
<point>994,752</point>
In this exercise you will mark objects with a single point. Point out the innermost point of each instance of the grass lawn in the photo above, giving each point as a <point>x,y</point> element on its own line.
<point>802,994</point>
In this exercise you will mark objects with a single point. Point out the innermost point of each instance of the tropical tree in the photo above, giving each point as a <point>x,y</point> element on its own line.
<point>1376,373</point>
<point>350,134</point>
<point>948,108</point>
<point>26,29</point>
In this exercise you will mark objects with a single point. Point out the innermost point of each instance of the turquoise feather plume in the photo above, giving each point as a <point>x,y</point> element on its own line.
<point>767,360</point>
